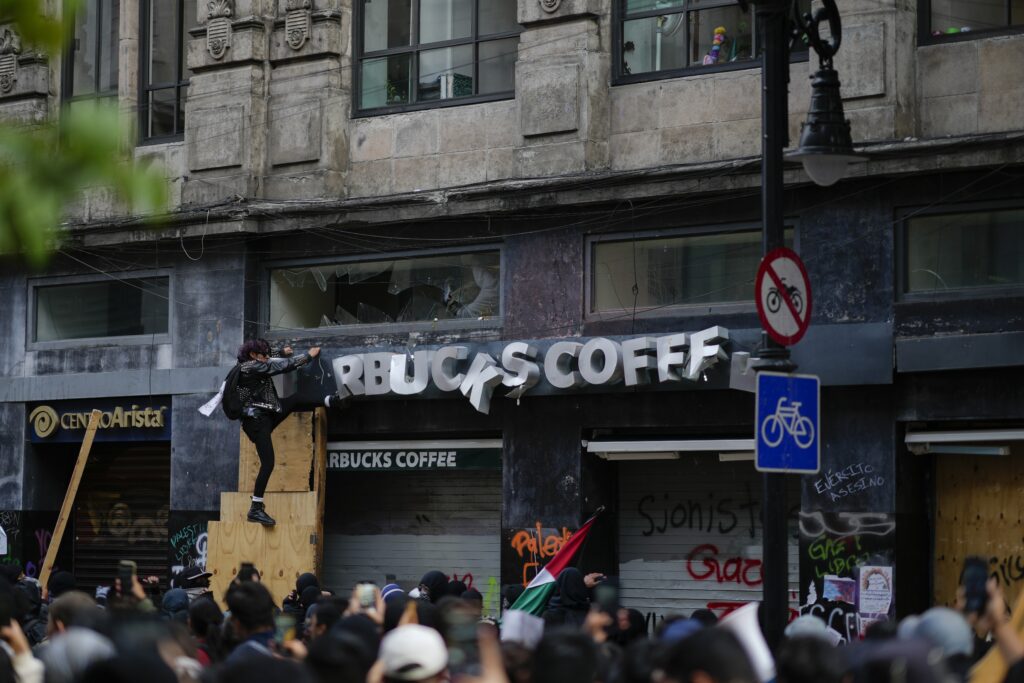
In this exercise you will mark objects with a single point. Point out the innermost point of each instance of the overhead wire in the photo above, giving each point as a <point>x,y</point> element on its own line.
<point>541,331</point>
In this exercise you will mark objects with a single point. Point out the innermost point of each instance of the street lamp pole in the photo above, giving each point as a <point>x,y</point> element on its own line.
<point>826,148</point>
<point>774,23</point>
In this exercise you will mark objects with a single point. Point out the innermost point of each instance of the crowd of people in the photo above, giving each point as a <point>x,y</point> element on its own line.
<point>439,632</point>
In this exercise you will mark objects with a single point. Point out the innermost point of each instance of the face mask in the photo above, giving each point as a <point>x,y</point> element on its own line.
<point>194,593</point>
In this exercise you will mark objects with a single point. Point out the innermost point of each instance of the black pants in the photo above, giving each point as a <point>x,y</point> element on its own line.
<point>259,429</point>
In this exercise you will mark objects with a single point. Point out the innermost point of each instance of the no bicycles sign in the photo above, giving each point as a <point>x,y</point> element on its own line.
<point>783,295</point>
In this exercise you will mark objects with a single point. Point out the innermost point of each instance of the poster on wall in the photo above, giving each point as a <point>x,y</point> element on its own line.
<point>875,590</point>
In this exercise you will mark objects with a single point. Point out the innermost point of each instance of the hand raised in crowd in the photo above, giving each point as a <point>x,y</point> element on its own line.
<point>137,591</point>
<point>15,637</point>
<point>492,665</point>
<point>592,579</point>
<point>997,619</point>
<point>314,352</point>
<point>294,649</point>
<point>375,612</point>
<point>596,625</point>
<point>991,616</point>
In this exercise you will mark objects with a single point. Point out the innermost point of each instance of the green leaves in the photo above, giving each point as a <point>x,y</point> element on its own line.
<point>46,168</point>
<point>34,25</point>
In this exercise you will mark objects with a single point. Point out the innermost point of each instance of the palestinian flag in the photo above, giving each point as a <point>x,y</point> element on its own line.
<point>534,599</point>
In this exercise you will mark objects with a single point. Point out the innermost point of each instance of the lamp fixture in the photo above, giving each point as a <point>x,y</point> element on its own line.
<point>826,145</point>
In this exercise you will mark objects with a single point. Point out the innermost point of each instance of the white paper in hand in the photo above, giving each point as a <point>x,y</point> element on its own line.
<point>521,627</point>
<point>211,405</point>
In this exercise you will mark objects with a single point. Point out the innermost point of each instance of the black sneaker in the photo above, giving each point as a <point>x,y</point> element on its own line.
<point>257,513</point>
<point>337,403</point>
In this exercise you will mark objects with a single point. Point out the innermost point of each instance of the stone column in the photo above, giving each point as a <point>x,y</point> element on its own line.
<point>310,99</point>
<point>562,86</point>
<point>226,119</point>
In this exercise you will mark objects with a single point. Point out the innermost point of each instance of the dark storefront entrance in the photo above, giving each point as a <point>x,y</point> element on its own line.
<point>123,501</point>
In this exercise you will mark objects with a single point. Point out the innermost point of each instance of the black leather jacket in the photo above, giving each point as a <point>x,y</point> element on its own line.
<point>255,386</point>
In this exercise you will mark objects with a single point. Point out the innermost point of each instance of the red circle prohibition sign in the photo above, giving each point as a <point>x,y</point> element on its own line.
<point>782,292</point>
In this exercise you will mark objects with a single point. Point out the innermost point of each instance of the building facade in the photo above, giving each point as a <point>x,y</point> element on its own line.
<point>408,178</point>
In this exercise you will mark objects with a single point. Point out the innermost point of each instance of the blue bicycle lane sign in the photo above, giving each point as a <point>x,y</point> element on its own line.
<point>787,423</point>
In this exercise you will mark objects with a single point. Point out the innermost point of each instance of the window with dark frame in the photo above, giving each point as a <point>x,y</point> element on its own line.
<point>946,18</point>
<point>163,72</point>
<point>693,268</point>
<point>409,289</point>
<point>91,61</point>
<point>960,253</point>
<point>414,53</point>
<point>666,38</point>
<point>105,308</point>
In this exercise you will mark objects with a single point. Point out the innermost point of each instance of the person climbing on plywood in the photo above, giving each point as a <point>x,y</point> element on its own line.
<point>248,394</point>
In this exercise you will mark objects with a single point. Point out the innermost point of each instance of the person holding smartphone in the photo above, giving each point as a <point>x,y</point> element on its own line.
<point>263,410</point>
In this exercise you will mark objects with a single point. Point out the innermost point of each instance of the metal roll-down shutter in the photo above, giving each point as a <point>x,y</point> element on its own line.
<point>690,535</point>
<point>121,513</point>
<point>407,523</point>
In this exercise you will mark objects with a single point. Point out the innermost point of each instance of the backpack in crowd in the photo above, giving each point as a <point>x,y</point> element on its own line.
<point>231,404</point>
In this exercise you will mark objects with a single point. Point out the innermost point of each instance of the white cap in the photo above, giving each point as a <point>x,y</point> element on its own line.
<point>413,653</point>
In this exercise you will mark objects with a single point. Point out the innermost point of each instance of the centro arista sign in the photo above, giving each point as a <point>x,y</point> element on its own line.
<point>67,420</point>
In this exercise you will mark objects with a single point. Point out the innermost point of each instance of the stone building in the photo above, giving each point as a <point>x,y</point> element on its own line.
<point>398,176</point>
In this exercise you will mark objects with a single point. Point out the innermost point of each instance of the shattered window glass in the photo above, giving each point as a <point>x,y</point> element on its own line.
<point>459,286</point>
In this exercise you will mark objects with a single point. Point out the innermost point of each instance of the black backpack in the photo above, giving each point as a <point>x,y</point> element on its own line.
<point>231,403</point>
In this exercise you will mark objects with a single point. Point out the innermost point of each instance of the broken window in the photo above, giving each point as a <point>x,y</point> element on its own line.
<point>457,286</point>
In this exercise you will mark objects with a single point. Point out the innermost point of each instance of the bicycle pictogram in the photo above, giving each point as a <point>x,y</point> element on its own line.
<point>787,420</point>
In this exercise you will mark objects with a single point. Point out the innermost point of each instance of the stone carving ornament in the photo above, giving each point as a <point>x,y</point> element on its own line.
<point>550,6</point>
<point>298,22</point>
<point>218,27</point>
<point>10,48</point>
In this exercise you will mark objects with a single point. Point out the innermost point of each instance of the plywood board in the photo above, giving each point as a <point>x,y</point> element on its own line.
<point>979,511</point>
<point>280,553</point>
<point>319,484</point>
<point>69,497</point>
<point>229,544</point>
<point>298,507</point>
<point>293,455</point>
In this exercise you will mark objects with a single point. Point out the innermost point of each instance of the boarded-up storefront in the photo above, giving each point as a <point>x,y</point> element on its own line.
<point>690,536</point>
<point>979,510</point>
